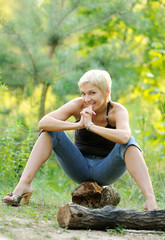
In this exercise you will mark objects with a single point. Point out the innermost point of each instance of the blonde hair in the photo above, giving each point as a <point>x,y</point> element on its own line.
<point>99,78</point>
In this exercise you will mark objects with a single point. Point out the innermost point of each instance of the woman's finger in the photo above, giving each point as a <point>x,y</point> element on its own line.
<point>88,111</point>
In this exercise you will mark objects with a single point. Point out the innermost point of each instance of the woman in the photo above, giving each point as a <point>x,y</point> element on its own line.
<point>104,148</point>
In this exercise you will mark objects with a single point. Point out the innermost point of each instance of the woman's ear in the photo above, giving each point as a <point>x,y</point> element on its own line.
<point>108,93</point>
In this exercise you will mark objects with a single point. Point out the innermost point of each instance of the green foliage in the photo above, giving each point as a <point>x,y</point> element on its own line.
<point>15,149</point>
<point>2,88</point>
<point>53,43</point>
<point>48,46</point>
<point>117,230</point>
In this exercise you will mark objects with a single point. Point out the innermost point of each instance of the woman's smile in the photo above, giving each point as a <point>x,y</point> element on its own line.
<point>92,95</point>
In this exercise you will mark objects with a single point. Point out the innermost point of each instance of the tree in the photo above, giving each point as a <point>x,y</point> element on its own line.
<point>43,43</point>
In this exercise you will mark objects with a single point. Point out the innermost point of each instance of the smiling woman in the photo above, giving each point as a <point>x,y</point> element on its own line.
<point>98,78</point>
<point>103,150</point>
<point>92,96</point>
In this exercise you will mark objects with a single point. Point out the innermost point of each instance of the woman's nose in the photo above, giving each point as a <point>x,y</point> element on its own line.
<point>87,98</point>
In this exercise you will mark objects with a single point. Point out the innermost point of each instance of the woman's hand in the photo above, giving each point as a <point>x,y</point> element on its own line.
<point>81,122</point>
<point>88,110</point>
<point>87,113</point>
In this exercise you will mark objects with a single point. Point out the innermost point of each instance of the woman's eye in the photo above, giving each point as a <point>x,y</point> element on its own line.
<point>92,93</point>
<point>83,94</point>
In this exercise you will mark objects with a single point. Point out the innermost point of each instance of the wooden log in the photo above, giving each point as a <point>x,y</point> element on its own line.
<point>109,196</point>
<point>90,194</point>
<point>75,216</point>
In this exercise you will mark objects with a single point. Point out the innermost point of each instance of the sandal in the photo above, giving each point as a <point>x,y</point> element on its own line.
<point>14,199</point>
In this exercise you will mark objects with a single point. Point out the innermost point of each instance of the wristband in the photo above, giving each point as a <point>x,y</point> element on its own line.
<point>88,125</point>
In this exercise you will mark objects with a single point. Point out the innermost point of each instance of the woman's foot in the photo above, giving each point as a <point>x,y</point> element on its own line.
<point>22,190</point>
<point>14,200</point>
<point>150,204</point>
<point>23,187</point>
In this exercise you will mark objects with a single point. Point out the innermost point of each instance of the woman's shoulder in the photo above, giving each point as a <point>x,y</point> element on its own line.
<point>117,113</point>
<point>116,107</point>
<point>77,103</point>
<point>77,100</point>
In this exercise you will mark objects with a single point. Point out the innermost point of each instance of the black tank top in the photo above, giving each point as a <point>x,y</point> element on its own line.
<point>90,143</point>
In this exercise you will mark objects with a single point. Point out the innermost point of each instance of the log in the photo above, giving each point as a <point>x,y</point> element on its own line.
<point>74,216</point>
<point>90,194</point>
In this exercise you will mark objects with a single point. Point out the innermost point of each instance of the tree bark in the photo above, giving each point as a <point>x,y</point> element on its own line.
<point>90,194</point>
<point>46,86</point>
<point>78,217</point>
<point>43,99</point>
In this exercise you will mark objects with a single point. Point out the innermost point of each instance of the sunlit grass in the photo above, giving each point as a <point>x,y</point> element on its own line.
<point>52,188</point>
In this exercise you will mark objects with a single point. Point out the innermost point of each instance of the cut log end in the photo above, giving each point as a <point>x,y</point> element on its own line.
<point>64,216</point>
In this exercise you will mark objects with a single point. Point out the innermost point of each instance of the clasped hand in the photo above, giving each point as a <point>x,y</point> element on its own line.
<point>86,115</point>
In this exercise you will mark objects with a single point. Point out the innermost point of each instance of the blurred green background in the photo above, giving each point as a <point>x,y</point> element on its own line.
<point>46,46</point>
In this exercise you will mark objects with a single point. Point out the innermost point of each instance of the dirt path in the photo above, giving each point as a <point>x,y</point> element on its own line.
<point>28,229</point>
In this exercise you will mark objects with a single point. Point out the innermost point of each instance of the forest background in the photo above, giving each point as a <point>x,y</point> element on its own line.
<point>45,47</point>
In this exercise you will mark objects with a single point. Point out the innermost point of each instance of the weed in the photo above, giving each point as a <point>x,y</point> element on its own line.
<point>31,212</point>
<point>47,236</point>
<point>76,238</point>
<point>65,229</point>
<point>3,229</point>
<point>117,230</point>
<point>28,224</point>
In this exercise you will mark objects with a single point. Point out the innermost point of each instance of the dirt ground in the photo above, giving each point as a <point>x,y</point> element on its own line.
<point>24,229</point>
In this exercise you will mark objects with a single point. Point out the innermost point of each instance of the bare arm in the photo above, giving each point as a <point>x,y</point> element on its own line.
<point>56,120</point>
<point>122,132</point>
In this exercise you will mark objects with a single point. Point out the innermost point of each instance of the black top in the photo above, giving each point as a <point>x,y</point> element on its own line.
<point>90,143</point>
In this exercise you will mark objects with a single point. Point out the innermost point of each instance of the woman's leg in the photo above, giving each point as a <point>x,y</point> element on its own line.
<point>71,160</point>
<point>68,155</point>
<point>137,168</point>
<point>125,157</point>
<point>40,153</point>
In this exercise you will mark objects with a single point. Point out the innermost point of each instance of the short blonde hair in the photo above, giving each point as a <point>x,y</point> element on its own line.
<point>99,78</point>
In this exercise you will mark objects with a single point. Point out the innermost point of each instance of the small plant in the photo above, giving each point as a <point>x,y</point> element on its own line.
<point>76,238</point>
<point>28,224</point>
<point>117,230</point>
<point>32,213</point>
<point>65,229</point>
<point>47,236</point>
<point>3,87</point>
<point>15,148</point>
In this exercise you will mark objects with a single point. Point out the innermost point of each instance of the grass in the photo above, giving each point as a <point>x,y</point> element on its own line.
<point>116,230</point>
<point>51,192</point>
<point>52,188</point>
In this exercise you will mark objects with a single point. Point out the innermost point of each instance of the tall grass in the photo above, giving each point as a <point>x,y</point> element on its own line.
<point>15,145</point>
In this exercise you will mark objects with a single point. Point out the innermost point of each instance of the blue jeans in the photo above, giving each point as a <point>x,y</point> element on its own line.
<point>81,168</point>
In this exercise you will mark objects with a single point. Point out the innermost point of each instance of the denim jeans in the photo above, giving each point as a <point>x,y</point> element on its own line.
<point>82,168</point>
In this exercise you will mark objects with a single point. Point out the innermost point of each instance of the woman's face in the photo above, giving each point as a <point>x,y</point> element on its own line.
<point>92,95</point>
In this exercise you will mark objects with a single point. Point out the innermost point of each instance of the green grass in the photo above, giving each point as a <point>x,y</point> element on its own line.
<point>53,190</point>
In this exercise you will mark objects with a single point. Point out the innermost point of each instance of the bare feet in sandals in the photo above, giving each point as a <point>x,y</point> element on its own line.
<point>21,191</point>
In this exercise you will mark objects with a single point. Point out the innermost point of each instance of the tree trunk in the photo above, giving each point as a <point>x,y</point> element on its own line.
<point>42,100</point>
<point>45,85</point>
<point>78,217</point>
